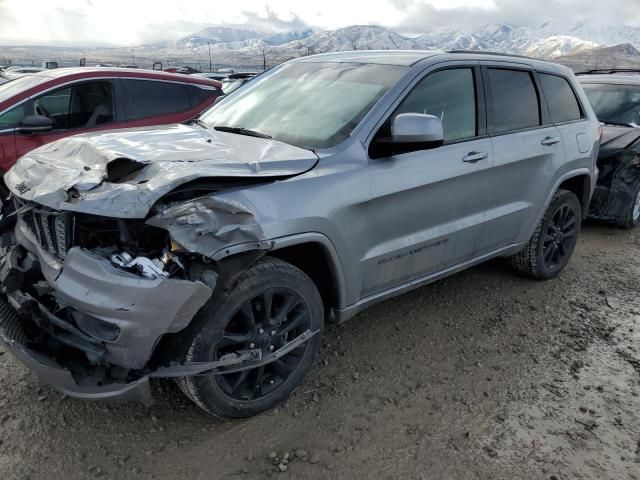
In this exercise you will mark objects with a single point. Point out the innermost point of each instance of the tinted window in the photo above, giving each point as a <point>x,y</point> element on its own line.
<point>12,118</point>
<point>85,105</point>
<point>615,104</point>
<point>91,105</point>
<point>562,102</point>
<point>148,98</point>
<point>54,105</point>
<point>199,95</point>
<point>449,95</point>
<point>515,100</point>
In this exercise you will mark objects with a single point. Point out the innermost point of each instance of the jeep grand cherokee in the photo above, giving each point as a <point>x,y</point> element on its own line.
<point>213,253</point>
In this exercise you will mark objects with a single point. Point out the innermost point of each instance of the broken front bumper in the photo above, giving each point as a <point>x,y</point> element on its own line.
<point>112,317</point>
<point>51,373</point>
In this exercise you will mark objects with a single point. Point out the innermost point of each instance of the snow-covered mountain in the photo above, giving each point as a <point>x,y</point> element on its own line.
<point>558,45</point>
<point>237,45</point>
<point>356,37</point>
<point>548,40</point>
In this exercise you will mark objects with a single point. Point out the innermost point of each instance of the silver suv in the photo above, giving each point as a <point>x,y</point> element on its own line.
<point>213,253</point>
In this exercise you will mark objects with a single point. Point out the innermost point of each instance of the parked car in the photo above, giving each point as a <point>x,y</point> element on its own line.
<point>183,70</point>
<point>211,75</point>
<point>49,64</point>
<point>213,252</point>
<point>12,73</point>
<point>615,97</point>
<point>235,81</point>
<point>53,104</point>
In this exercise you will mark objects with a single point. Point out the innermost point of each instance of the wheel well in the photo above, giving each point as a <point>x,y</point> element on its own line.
<point>313,259</point>
<point>581,187</point>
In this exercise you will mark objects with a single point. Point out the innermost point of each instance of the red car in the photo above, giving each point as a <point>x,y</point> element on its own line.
<point>53,104</point>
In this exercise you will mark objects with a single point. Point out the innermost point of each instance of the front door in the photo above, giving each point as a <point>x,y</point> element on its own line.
<point>9,120</point>
<point>429,207</point>
<point>83,107</point>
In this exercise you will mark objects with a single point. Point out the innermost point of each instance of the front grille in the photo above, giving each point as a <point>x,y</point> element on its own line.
<point>54,230</point>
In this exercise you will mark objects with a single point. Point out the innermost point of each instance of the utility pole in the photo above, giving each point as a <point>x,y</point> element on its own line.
<point>264,60</point>
<point>209,43</point>
<point>308,51</point>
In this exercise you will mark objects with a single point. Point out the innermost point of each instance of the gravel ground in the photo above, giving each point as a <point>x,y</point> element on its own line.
<point>484,375</point>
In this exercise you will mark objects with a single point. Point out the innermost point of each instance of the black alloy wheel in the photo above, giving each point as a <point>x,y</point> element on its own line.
<point>266,321</point>
<point>270,305</point>
<point>554,239</point>
<point>560,236</point>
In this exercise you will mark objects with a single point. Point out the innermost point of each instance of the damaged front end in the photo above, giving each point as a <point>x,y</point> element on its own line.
<point>92,297</point>
<point>619,174</point>
<point>96,321</point>
<point>108,262</point>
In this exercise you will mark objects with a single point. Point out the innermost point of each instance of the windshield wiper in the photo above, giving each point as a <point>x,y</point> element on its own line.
<point>617,124</point>
<point>241,131</point>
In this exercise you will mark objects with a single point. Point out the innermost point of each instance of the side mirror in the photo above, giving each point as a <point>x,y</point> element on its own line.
<point>417,128</point>
<point>410,132</point>
<point>35,124</point>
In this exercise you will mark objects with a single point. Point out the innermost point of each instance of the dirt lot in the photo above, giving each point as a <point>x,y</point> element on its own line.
<point>484,375</point>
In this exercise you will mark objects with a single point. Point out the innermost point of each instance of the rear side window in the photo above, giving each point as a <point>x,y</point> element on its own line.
<point>200,95</point>
<point>561,99</point>
<point>449,95</point>
<point>149,98</point>
<point>514,100</point>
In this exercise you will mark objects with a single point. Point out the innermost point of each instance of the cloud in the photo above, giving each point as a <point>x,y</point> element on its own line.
<point>87,23</point>
<point>422,16</point>
<point>270,21</point>
<point>6,16</point>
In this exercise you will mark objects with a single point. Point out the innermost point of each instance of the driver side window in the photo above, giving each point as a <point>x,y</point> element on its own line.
<point>54,105</point>
<point>449,95</point>
<point>12,118</point>
<point>85,105</point>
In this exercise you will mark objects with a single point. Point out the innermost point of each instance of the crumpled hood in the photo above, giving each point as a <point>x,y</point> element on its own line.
<point>162,159</point>
<point>616,138</point>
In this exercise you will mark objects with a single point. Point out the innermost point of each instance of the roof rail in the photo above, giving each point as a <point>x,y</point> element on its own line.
<point>489,52</point>
<point>608,71</point>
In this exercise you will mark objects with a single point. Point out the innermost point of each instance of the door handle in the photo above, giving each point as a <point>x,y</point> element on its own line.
<point>550,141</point>
<point>473,157</point>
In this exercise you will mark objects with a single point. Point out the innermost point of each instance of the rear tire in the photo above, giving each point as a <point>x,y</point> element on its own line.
<point>632,217</point>
<point>553,241</point>
<point>271,303</point>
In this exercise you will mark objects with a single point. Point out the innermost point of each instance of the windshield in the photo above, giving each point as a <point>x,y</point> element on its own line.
<point>616,104</point>
<point>19,85</point>
<point>308,104</point>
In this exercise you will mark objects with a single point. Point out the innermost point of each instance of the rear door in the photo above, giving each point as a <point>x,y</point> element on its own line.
<point>527,150</point>
<point>428,208</point>
<point>156,102</point>
<point>82,107</point>
<point>568,116</point>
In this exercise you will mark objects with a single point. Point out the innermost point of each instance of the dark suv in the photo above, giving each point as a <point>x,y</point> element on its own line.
<point>615,97</point>
<point>214,252</point>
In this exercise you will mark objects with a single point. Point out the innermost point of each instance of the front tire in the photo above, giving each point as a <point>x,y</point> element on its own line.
<point>270,304</point>
<point>554,240</point>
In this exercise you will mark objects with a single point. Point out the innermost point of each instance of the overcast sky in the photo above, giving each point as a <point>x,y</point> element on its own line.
<point>132,22</point>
